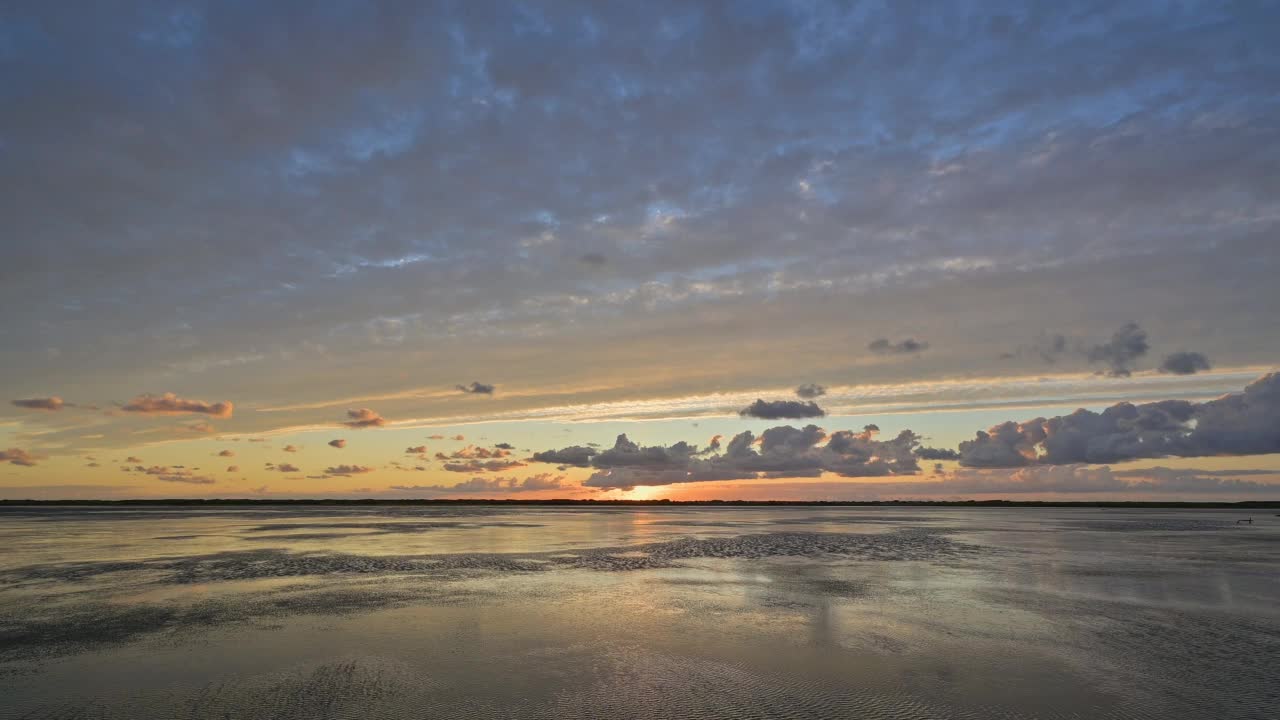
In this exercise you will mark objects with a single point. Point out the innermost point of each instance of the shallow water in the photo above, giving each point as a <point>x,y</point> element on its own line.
<point>428,612</point>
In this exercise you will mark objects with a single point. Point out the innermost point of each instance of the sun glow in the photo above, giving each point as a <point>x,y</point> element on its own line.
<point>643,493</point>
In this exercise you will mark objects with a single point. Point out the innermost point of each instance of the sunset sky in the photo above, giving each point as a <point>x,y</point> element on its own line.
<point>797,250</point>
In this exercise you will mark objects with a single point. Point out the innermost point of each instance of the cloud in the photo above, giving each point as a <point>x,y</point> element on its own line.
<point>779,409</point>
<point>593,259</point>
<point>170,404</point>
<point>723,243</point>
<point>1184,363</point>
<point>473,466</point>
<point>199,427</point>
<point>189,479</point>
<point>505,446</point>
<point>808,391</point>
<point>227,453</point>
<point>1125,347</point>
<point>18,456</point>
<point>348,470</point>
<point>1049,348</point>
<point>471,452</point>
<point>133,459</point>
<point>477,388</point>
<point>287,468</point>
<point>176,474</point>
<point>784,451</point>
<point>930,453</point>
<point>415,450</point>
<point>364,418</point>
<point>1244,423</point>
<point>47,403</point>
<point>542,481</point>
<point>233,468</point>
<point>338,443</point>
<point>577,455</point>
<point>883,346</point>
<point>435,437</point>
<point>290,448</point>
<point>1077,479</point>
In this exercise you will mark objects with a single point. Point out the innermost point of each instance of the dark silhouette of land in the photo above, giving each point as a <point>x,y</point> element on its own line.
<point>224,502</point>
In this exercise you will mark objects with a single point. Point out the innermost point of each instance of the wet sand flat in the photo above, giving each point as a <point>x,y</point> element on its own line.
<point>785,612</point>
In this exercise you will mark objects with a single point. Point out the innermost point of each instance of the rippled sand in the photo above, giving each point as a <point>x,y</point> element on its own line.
<point>638,613</point>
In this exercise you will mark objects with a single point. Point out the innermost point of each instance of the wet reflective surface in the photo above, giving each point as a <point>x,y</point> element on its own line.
<point>404,612</point>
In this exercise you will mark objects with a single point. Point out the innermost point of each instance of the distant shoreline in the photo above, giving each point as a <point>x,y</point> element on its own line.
<point>252,502</point>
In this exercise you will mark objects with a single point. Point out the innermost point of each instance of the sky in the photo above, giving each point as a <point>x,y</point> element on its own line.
<point>687,250</point>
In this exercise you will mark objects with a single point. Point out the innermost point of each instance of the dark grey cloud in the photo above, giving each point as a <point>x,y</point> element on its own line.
<point>1048,348</point>
<point>884,346</point>
<point>287,468</point>
<point>338,443</point>
<point>809,391</point>
<point>364,418</point>
<point>783,451</point>
<point>170,404</point>
<point>1119,354</point>
<point>931,453</point>
<point>505,446</point>
<point>593,259</point>
<point>47,403</point>
<point>227,453</point>
<point>577,455</point>
<point>1184,363</point>
<point>477,388</point>
<point>780,409</point>
<point>1244,423</point>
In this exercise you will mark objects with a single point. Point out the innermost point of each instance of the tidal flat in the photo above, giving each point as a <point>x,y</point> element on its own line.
<point>641,612</point>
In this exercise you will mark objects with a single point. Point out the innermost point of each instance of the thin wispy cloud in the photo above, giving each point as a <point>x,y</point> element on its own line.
<point>51,404</point>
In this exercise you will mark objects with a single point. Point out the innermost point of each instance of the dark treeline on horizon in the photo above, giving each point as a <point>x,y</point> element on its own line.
<point>220,502</point>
